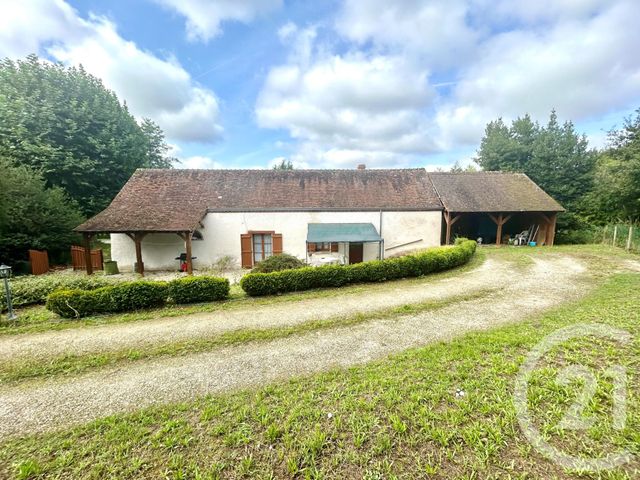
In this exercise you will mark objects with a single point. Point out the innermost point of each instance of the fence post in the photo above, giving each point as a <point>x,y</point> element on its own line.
<point>615,234</point>
<point>604,234</point>
<point>629,237</point>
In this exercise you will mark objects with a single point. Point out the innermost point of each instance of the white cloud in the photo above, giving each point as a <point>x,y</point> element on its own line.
<point>199,161</point>
<point>205,16</point>
<point>347,108</point>
<point>579,66</point>
<point>152,87</point>
<point>437,30</point>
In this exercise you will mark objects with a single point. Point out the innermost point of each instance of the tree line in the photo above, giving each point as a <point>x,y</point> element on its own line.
<point>594,186</point>
<point>67,146</point>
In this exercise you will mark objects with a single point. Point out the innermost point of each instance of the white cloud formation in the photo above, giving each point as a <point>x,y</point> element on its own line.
<point>486,58</point>
<point>160,89</point>
<point>437,30</point>
<point>354,106</point>
<point>580,66</point>
<point>198,161</point>
<point>205,16</point>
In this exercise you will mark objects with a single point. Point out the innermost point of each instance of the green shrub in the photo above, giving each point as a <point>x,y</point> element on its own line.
<point>198,289</point>
<point>276,263</point>
<point>34,289</point>
<point>122,297</point>
<point>429,261</point>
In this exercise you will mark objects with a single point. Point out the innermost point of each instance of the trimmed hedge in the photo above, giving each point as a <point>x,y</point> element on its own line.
<point>198,289</point>
<point>429,261</point>
<point>33,289</point>
<point>136,295</point>
<point>123,297</point>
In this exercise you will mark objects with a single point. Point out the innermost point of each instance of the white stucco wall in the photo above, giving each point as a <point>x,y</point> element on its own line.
<point>222,230</point>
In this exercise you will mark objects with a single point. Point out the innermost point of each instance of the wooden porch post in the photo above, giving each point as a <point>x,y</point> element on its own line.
<point>87,253</point>
<point>137,239</point>
<point>449,221</point>
<point>499,221</point>
<point>187,243</point>
<point>551,230</point>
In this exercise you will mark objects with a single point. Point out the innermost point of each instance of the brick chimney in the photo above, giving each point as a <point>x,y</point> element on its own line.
<point>361,166</point>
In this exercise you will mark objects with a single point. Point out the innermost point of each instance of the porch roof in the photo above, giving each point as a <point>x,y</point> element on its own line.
<point>342,232</point>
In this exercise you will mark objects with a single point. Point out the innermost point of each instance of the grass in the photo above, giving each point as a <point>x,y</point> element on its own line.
<point>38,319</point>
<point>75,364</point>
<point>404,417</point>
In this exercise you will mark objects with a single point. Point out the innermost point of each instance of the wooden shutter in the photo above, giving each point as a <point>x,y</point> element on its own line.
<point>311,247</point>
<point>277,243</point>
<point>246,250</point>
<point>334,247</point>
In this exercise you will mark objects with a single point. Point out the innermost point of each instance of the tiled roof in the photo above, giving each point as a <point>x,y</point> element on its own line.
<point>491,192</point>
<point>177,200</point>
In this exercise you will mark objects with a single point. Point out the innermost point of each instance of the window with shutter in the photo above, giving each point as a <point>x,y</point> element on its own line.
<point>256,246</point>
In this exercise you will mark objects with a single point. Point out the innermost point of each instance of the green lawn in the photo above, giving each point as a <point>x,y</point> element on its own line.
<point>397,418</point>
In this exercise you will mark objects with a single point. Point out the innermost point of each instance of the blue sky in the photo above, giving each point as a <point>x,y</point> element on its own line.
<point>244,83</point>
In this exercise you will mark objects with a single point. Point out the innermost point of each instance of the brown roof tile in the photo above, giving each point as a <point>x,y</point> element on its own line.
<point>491,192</point>
<point>176,200</point>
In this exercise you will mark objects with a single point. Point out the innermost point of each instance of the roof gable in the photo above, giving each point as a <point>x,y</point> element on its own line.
<point>491,192</point>
<point>177,200</point>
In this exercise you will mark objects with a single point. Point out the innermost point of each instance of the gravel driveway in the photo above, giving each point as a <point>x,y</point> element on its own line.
<point>85,340</point>
<point>42,405</point>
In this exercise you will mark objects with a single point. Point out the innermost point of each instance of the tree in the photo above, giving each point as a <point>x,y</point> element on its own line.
<point>617,192</point>
<point>156,147</point>
<point>32,215</point>
<point>283,165</point>
<point>64,124</point>
<point>457,168</point>
<point>554,156</point>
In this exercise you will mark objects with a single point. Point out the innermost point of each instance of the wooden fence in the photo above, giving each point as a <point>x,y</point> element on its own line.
<point>622,235</point>
<point>39,262</point>
<point>77,258</point>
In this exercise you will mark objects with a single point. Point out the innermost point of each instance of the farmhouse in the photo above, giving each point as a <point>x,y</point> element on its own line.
<point>322,216</point>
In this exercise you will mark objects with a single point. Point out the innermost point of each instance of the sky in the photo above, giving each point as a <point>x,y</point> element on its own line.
<point>331,84</point>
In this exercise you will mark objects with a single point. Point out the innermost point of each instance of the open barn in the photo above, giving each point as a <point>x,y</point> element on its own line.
<point>497,207</point>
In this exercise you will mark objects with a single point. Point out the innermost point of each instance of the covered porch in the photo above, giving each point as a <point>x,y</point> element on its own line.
<point>500,228</point>
<point>137,237</point>
<point>344,243</point>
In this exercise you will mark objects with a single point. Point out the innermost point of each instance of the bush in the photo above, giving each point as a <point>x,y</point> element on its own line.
<point>34,289</point>
<point>123,297</point>
<point>198,289</point>
<point>279,262</point>
<point>429,261</point>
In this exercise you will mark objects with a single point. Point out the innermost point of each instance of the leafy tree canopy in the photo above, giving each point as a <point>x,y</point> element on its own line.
<point>617,188</point>
<point>284,165</point>
<point>554,156</point>
<point>64,124</point>
<point>32,215</point>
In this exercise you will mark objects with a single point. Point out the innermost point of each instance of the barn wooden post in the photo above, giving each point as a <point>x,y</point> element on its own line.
<point>499,221</point>
<point>551,230</point>
<point>137,239</point>
<point>87,253</point>
<point>449,221</point>
<point>187,244</point>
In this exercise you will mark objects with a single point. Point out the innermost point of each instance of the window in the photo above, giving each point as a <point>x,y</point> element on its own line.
<point>262,246</point>
<point>322,247</point>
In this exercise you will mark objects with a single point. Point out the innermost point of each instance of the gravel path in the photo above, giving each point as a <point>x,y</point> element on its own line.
<point>85,340</point>
<point>44,405</point>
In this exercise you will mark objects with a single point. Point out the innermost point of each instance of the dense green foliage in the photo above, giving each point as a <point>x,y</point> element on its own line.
<point>33,216</point>
<point>429,261</point>
<point>554,156</point>
<point>30,290</point>
<point>123,297</point>
<point>63,123</point>
<point>617,187</point>
<point>275,263</point>
<point>198,289</point>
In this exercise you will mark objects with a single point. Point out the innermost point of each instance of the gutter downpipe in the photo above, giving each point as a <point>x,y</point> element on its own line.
<point>381,243</point>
